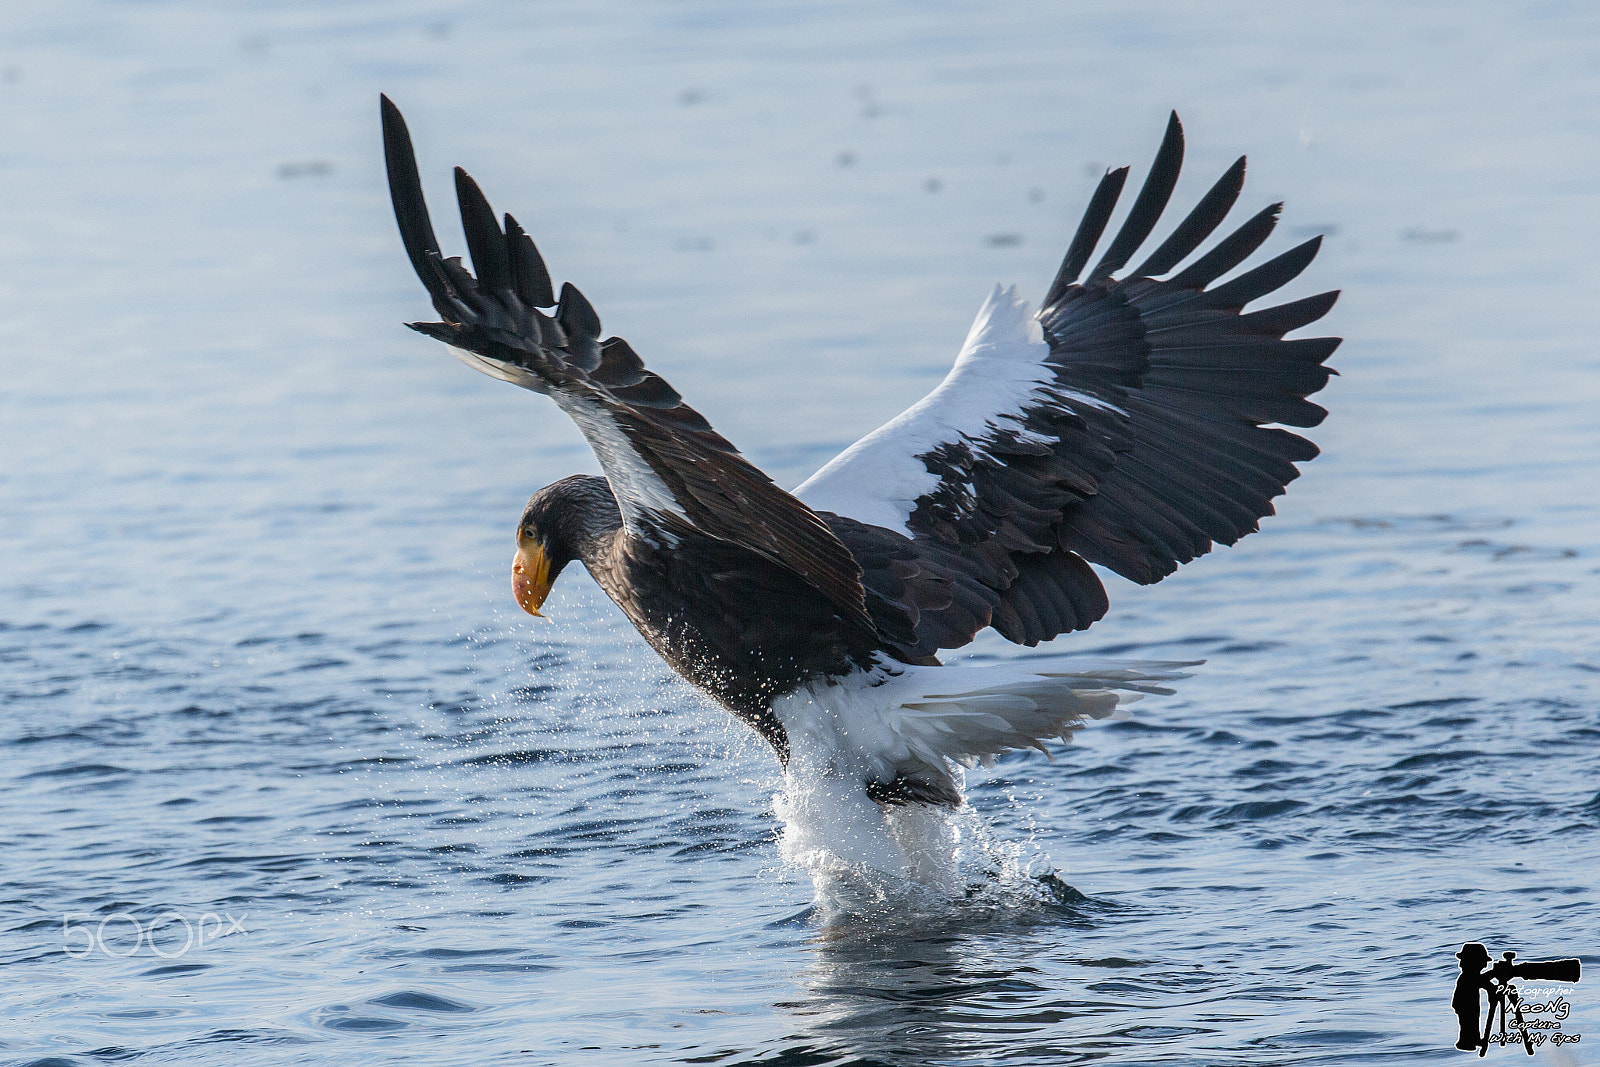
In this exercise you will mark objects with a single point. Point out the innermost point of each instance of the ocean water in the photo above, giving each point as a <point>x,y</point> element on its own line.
<point>286,778</point>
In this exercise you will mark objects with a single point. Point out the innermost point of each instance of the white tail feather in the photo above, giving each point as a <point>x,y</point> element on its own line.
<point>902,723</point>
<point>903,732</point>
<point>972,714</point>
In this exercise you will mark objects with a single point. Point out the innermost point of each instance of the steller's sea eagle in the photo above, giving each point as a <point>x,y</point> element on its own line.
<point>1127,423</point>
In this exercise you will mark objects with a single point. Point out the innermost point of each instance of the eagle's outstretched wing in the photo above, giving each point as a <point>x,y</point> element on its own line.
<point>1126,424</point>
<point>672,474</point>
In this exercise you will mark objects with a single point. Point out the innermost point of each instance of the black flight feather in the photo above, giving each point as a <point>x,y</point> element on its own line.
<point>1093,224</point>
<point>410,209</point>
<point>1231,251</point>
<point>490,257</point>
<point>527,267</point>
<point>1259,281</point>
<point>1148,206</point>
<point>1200,223</point>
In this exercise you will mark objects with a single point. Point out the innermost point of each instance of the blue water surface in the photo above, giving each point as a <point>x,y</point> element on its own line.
<point>285,776</point>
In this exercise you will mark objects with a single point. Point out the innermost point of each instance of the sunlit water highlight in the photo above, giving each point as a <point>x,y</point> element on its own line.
<point>264,689</point>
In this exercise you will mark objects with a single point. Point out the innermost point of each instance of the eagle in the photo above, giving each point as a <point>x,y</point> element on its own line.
<point>1130,423</point>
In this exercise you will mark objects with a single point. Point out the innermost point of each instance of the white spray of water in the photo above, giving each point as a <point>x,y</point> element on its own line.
<point>866,859</point>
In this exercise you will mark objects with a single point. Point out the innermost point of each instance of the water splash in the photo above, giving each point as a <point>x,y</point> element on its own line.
<point>906,862</point>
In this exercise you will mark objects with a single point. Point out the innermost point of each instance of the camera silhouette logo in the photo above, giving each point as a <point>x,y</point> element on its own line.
<point>1532,1023</point>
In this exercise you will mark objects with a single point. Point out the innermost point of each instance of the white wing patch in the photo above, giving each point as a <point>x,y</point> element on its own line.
<point>495,369</point>
<point>1001,371</point>
<point>638,488</point>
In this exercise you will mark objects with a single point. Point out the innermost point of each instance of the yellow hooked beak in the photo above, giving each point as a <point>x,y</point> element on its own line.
<point>530,576</point>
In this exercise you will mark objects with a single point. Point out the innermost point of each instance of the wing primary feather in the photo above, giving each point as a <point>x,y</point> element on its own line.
<point>410,208</point>
<point>462,285</point>
<point>577,317</point>
<point>447,299</point>
<point>1277,321</point>
<point>1198,225</point>
<point>649,391</point>
<point>527,268</point>
<point>1230,251</point>
<point>1148,206</point>
<point>620,366</point>
<point>1095,217</point>
<point>576,314</point>
<point>1271,275</point>
<point>490,256</point>
<point>439,331</point>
